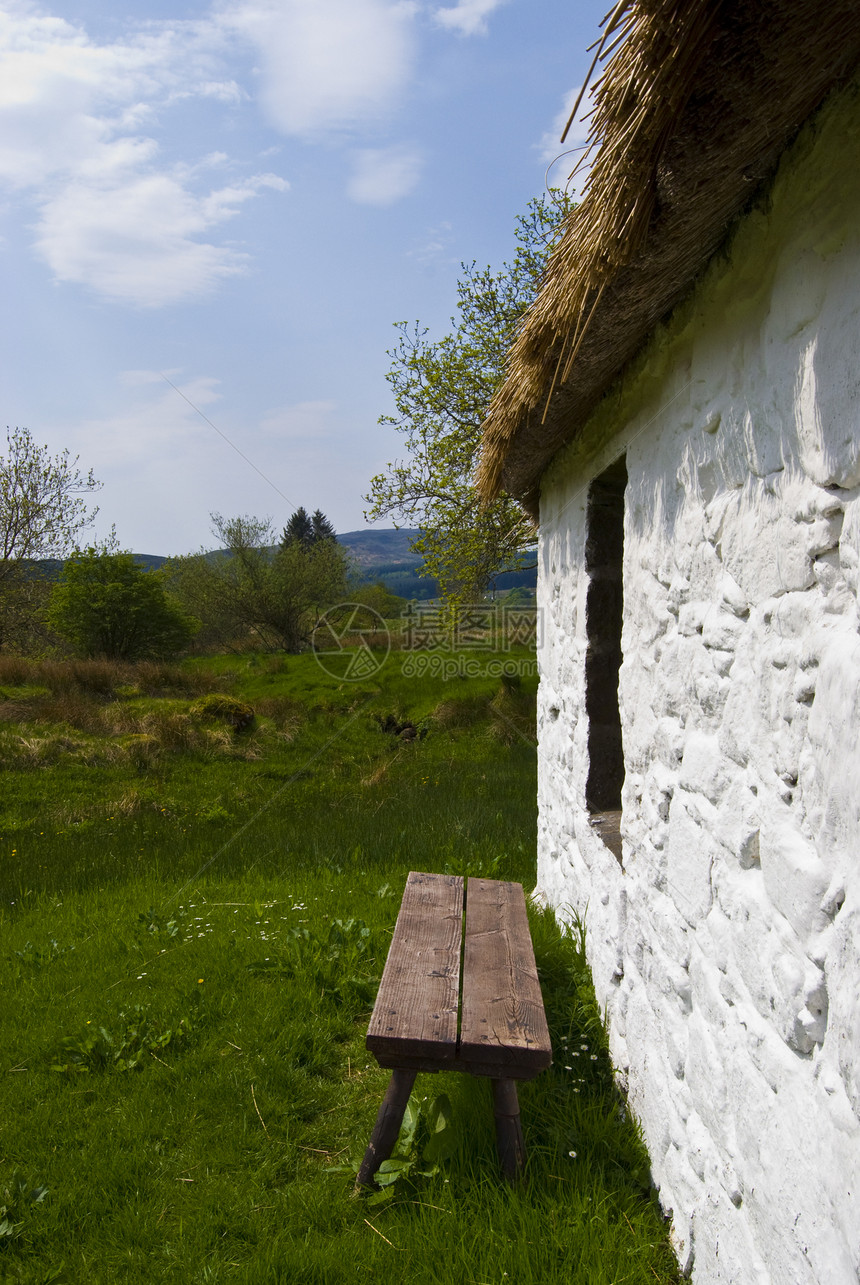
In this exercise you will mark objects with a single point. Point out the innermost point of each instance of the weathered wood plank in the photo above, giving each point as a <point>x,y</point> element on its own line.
<point>503,1030</point>
<point>414,1022</point>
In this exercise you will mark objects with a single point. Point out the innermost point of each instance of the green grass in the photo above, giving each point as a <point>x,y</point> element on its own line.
<point>190,949</point>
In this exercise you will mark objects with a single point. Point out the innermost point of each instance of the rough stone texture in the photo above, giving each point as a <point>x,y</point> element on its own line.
<point>726,950</point>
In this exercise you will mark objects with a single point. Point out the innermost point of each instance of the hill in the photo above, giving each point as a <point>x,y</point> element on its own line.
<point>380,555</point>
<point>388,548</point>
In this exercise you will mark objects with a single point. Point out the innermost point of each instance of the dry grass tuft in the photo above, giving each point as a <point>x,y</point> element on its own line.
<point>156,678</point>
<point>460,711</point>
<point>287,715</point>
<point>15,671</point>
<point>71,707</point>
<point>16,711</point>
<point>96,677</point>
<point>513,713</point>
<point>140,750</point>
<point>171,729</point>
<point>132,802</point>
<point>378,775</point>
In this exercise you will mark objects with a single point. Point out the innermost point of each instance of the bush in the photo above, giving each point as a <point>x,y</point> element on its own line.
<point>107,606</point>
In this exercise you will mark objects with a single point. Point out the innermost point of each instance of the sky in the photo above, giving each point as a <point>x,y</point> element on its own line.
<point>213,214</point>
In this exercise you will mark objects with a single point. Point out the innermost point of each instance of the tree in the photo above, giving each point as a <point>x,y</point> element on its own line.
<point>107,605</point>
<point>323,529</point>
<point>42,511</point>
<point>299,528</point>
<point>307,530</point>
<point>442,389</point>
<point>275,595</point>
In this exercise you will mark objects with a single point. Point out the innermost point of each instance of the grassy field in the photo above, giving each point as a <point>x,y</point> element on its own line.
<point>200,868</point>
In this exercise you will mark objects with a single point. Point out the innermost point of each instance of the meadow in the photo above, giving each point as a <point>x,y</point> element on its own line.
<point>200,869</point>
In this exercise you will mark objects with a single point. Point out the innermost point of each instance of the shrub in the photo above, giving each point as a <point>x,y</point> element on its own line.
<point>106,605</point>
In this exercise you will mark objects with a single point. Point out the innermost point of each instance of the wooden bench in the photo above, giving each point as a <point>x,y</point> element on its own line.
<point>486,1019</point>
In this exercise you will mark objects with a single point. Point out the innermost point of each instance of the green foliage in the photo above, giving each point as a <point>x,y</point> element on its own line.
<point>24,597</point>
<point>42,512</point>
<point>107,606</point>
<point>18,1199</point>
<point>388,605</point>
<point>428,1137</point>
<point>156,924</point>
<point>126,1049</point>
<point>336,960</point>
<point>322,528</point>
<point>41,509</point>
<point>306,530</point>
<point>299,528</point>
<point>442,389</point>
<point>259,595</point>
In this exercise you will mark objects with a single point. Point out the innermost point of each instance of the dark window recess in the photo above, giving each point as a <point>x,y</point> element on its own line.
<point>603,616</point>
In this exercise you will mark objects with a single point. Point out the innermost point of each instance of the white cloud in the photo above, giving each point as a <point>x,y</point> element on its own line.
<point>469,17</point>
<point>383,175</point>
<point>132,239</point>
<point>327,65</point>
<point>561,158</point>
<point>111,216</point>
<point>301,420</point>
<point>434,246</point>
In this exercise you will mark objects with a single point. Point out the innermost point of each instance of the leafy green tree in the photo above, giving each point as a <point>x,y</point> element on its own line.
<point>442,389</point>
<point>42,512</point>
<point>253,589</point>
<point>388,605</point>
<point>107,605</point>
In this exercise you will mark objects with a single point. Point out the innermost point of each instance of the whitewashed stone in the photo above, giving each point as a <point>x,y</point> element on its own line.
<point>726,952</point>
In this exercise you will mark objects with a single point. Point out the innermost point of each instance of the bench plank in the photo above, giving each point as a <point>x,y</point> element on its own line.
<point>414,1022</point>
<point>503,1030</point>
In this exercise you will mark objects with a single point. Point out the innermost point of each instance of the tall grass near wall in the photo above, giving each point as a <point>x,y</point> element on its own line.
<point>190,943</point>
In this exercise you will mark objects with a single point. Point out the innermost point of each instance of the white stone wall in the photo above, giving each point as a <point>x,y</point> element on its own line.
<point>727,950</point>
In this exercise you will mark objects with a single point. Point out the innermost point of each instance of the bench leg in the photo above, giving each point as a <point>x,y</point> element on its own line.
<point>509,1133</point>
<point>387,1126</point>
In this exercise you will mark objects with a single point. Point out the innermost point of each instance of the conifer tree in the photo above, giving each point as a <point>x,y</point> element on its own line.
<point>323,529</point>
<point>299,529</point>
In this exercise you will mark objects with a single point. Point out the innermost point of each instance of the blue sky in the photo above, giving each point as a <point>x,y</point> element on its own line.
<point>244,196</point>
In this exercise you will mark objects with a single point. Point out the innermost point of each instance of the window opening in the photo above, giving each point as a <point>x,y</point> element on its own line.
<point>604,549</point>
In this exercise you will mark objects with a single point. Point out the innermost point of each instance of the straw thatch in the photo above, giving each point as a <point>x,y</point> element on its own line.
<point>692,113</point>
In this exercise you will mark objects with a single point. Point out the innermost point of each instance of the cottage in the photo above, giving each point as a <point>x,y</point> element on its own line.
<point>682,412</point>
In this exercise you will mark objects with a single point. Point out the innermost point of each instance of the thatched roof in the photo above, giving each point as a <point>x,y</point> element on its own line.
<point>692,113</point>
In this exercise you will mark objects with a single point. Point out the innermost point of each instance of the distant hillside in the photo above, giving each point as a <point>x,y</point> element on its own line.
<point>380,556</point>
<point>388,549</point>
